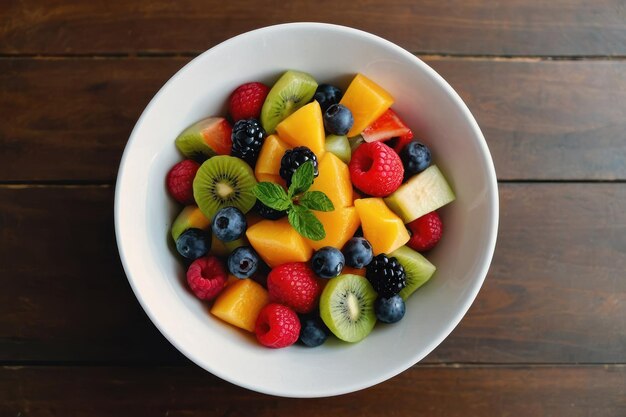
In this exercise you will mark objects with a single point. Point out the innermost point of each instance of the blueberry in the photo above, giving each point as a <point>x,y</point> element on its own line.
<point>243,262</point>
<point>327,262</point>
<point>327,95</point>
<point>358,252</point>
<point>313,331</point>
<point>338,119</point>
<point>228,224</point>
<point>415,157</point>
<point>193,243</point>
<point>389,310</point>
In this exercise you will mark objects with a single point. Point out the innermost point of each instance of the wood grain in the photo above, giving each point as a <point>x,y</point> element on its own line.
<point>573,391</point>
<point>555,293</point>
<point>70,118</point>
<point>513,27</point>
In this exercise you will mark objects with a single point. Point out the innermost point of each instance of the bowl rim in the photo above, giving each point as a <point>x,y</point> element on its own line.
<point>472,290</point>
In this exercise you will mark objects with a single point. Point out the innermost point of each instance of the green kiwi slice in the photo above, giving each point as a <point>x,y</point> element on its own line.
<point>224,181</point>
<point>418,269</point>
<point>347,307</point>
<point>293,90</point>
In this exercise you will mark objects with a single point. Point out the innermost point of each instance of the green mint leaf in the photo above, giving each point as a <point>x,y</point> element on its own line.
<point>301,179</point>
<point>305,223</point>
<point>316,200</point>
<point>272,195</point>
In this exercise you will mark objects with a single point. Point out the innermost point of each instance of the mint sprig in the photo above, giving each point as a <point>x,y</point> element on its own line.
<point>297,201</point>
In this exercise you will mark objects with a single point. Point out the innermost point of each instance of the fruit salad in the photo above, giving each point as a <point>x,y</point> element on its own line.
<point>306,211</point>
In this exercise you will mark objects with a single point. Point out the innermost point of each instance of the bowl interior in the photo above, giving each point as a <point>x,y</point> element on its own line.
<point>331,54</point>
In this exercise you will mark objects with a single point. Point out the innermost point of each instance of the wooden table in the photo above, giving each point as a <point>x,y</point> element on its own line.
<point>546,81</point>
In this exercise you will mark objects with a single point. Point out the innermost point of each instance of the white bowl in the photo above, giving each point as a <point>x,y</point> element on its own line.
<point>438,117</point>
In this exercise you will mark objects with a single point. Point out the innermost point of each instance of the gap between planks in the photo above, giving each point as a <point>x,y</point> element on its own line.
<point>14,365</point>
<point>420,54</point>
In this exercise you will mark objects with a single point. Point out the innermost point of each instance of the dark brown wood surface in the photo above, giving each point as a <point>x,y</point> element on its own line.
<point>450,391</point>
<point>541,303</point>
<point>548,120</point>
<point>547,84</point>
<point>512,27</point>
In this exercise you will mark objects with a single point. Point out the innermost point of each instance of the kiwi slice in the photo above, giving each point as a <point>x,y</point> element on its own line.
<point>293,90</point>
<point>418,269</point>
<point>347,307</point>
<point>224,181</point>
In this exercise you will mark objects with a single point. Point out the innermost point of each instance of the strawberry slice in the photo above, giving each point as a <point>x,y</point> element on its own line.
<point>402,142</point>
<point>385,127</point>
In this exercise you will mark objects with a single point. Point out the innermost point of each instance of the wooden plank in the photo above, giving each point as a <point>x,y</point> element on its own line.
<point>544,119</point>
<point>573,391</point>
<point>555,293</point>
<point>70,118</point>
<point>65,295</point>
<point>514,27</point>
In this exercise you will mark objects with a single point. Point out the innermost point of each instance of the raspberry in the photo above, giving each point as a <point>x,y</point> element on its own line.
<point>206,277</point>
<point>376,169</point>
<point>386,275</point>
<point>294,284</point>
<point>426,232</point>
<point>277,326</point>
<point>247,100</point>
<point>180,181</point>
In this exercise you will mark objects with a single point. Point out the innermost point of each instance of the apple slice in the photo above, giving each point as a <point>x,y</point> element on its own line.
<point>206,138</point>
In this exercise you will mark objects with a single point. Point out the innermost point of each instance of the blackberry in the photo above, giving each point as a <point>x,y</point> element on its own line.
<point>248,135</point>
<point>267,212</point>
<point>386,275</point>
<point>293,159</point>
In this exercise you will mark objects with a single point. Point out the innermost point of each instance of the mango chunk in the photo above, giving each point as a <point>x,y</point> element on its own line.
<point>339,225</point>
<point>305,127</point>
<point>277,242</point>
<point>367,101</point>
<point>334,180</point>
<point>381,227</point>
<point>240,303</point>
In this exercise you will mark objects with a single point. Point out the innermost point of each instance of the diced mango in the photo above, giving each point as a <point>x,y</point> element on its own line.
<point>305,127</point>
<point>277,242</point>
<point>334,180</point>
<point>270,155</point>
<point>367,101</point>
<point>240,303</point>
<point>339,225</point>
<point>262,177</point>
<point>381,227</point>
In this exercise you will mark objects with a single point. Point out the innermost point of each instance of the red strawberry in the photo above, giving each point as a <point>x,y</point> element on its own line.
<point>385,127</point>
<point>277,326</point>
<point>376,169</point>
<point>402,141</point>
<point>247,100</point>
<point>295,285</point>
<point>180,181</point>
<point>426,232</point>
<point>206,277</point>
